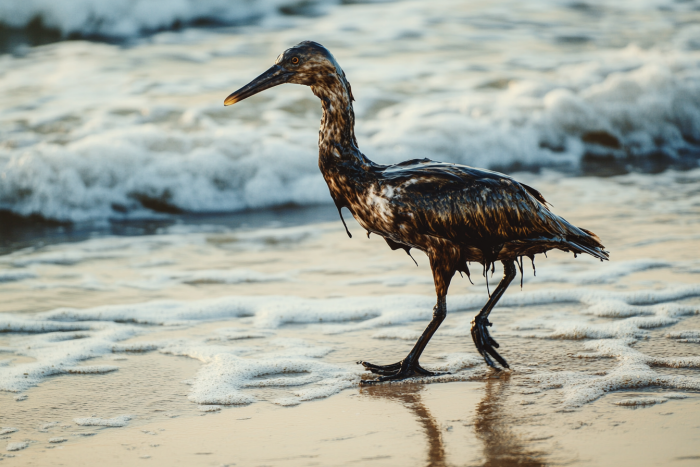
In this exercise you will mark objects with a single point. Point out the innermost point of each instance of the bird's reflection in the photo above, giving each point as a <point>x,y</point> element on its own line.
<point>409,395</point>
<point>502,447</point>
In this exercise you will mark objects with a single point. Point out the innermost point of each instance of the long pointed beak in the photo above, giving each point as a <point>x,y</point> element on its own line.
<point>275,76</point>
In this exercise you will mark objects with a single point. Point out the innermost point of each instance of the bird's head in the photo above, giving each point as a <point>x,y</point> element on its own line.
<point>308,63</point>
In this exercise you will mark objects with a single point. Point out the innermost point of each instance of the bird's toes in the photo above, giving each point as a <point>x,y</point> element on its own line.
<point>381,369</point>
<point>423,372</point>
<point>387,377</point>
<point>399,373</point>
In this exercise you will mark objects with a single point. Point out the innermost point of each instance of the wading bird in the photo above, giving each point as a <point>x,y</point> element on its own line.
<point>454,213</point>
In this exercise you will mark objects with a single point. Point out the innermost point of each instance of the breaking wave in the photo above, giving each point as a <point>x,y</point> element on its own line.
<point>129,18</point>
<point>93,131</point>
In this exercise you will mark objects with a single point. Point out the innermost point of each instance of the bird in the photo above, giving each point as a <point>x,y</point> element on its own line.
<point>454,213</point>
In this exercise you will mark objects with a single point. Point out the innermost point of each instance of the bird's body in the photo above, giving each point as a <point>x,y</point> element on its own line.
<point>484,216</point>
<point>454,213</point>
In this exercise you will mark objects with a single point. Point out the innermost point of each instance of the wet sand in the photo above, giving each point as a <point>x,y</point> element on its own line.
<point>461,423</point>
<point>484,418</point>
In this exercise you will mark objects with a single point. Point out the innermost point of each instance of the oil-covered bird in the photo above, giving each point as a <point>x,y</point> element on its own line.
<point>455,214</point>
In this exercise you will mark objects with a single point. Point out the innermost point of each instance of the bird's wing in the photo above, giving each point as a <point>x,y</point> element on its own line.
<point>471,205</point>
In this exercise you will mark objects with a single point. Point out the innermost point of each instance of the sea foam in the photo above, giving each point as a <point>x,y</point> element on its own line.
<point>104,139</point>
<point>121,420</point>
<point>129,18</point>
<point>238,362</point>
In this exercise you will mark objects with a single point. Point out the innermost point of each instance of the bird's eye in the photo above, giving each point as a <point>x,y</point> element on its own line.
<point>295,60</point>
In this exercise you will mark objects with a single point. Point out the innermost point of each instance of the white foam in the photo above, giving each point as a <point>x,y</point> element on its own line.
<point>90,369</point>
<point>456,362</point>
<point>10,323</point>
<point>99,140</point>
<point>620,309</point>
<point>401,334</point>
<point>676,395</point>
<point>604,273</point>
<point>10,275</point>
<point>57,440</point>
<point>392,281</point>
<point>55,353</point>
<point>7,430</point>
<point>124,18</point>
<point>244,360</point>
<point>17,446</point>
<point>634,370</point>
<point>121,420</point>
<point>209,408</point>
<point>62,258</point>
<point>136,347</point>
<point>222,276</point>
<point>641,401</point>
<point>336,316</point>
<point>269,312</point>
<point>234,334</point>
<point>46,426</point>
<point>685,336</point>
<point>221,381</point>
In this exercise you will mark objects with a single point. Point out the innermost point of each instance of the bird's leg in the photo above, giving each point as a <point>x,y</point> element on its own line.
<point>482,339</point>
<point>443,263</point>
<point>409,366</point>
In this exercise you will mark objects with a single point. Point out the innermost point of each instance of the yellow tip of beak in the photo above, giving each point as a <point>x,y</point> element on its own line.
<point>230,100</point>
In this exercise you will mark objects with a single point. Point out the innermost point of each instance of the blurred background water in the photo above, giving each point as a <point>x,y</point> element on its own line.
<point>111,114</point>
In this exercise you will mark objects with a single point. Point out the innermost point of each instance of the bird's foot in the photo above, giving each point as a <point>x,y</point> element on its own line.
<point>485,343</point>
<point>396,372</point>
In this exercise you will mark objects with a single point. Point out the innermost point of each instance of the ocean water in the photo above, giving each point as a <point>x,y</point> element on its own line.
<point>281,314</point>
<point>180,258</point>
<point>94,131</point>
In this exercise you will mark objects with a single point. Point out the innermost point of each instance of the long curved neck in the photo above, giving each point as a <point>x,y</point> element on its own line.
<point>336,138</point>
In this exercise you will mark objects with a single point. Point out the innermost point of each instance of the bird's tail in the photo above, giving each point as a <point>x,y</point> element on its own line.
<point>588,243</point>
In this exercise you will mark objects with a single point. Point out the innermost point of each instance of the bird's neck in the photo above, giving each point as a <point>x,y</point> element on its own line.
<point>336,138</point>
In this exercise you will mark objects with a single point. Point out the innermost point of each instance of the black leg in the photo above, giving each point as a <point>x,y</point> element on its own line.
<point>482,339</point>
<point>409,366</point>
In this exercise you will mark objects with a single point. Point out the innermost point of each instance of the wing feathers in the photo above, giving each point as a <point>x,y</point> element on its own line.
<point>484,209</point>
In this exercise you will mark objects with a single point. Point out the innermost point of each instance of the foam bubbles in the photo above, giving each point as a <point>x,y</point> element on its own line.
<point>690,336</point>
<point>641,401</point>
<point>55,353</point>
<point>123,18</point>
<point>224,378</point>
<point>633,370</point>
<point>649,401</point>
<point>246,354</point>
<point>103,139</point>
<point>17,446</point>
<point>209,408</point>
<point>605,273</point>
<point>120,421</point>
<point>11,276</point>
<point>223,276</point>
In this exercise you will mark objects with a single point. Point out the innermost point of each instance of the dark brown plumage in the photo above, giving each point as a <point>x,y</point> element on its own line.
<point>454,213</point>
